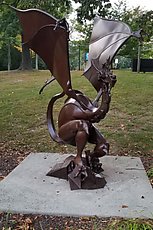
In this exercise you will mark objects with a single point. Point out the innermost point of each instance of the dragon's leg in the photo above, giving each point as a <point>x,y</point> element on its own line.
<point>101,149</point>
<point>75,133</point>
<point>101,145</point>
<point>81,140</point>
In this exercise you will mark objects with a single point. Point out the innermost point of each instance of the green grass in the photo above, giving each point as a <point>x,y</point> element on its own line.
<point>132,224</point>
<point>150,173</point>
<point>128,125</point>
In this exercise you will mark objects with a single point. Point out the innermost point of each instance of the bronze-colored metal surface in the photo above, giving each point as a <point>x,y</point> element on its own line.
<point>107,37</point>
<point>49,37</point>
<point>79,177</point>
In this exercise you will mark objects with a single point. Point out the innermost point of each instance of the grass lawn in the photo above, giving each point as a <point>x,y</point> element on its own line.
<point>128,127</point>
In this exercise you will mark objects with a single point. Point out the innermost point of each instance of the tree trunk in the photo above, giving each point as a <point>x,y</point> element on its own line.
<point>36,63</point>
<point>9,57</point>
<point>26,63</point>
<point>139,60</point>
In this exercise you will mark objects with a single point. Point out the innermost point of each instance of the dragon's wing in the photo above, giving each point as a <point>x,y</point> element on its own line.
<point>106,39</point>
<point>48,37</point>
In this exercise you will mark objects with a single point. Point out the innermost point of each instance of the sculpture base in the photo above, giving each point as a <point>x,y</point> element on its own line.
<point>78,177</point>
<point>27,189</point>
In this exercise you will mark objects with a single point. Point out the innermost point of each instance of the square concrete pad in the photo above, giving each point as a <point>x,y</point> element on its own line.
<point>128,192</point>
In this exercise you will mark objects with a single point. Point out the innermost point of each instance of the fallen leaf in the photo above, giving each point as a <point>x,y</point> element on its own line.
<point>124,206</point>
<point>84,218</point>
<point>28,221</point>
<point>2,177</point>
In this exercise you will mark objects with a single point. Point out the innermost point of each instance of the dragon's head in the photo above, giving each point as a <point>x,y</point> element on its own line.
<point>106,76</point>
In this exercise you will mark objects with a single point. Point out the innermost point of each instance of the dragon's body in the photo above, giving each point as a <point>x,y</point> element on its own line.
<point>76,127</point>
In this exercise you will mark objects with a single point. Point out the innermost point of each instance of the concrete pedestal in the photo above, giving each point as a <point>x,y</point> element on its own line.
<point>128,192</point>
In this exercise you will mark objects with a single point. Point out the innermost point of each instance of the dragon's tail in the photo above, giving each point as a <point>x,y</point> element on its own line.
<point>50,121</point>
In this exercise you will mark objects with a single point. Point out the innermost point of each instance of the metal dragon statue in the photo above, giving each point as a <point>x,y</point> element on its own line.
<point>49,38</point>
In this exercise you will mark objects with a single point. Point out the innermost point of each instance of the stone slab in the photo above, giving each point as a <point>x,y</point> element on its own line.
<point>27,189</point>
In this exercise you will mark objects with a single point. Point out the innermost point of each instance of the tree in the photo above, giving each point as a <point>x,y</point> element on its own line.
<point>8,30</point>
<point>58,8</point>
<point>86,12</point>
<point>88,9</point>
<point>4,58</point>
<point>136,18</point>
<point>77,51</point>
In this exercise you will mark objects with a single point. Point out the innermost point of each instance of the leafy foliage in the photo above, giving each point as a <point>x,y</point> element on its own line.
<point>8,26</point>
<point>59,8</point>
<point>88,9</point>
<point>4,60</point>
<point>77,51</point>
<point>86,12</point>
<point>136,18</point>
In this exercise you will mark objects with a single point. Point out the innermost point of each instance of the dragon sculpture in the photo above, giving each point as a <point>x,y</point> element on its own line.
<point>49,38</point>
